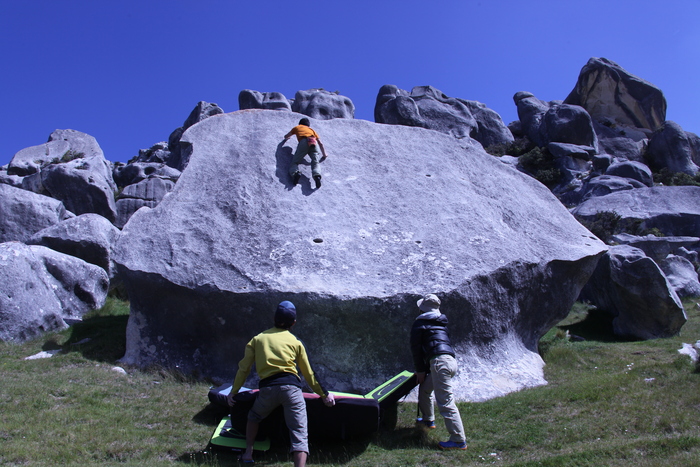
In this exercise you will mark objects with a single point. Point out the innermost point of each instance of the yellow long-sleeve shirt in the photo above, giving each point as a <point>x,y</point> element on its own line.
<point>275,351</point>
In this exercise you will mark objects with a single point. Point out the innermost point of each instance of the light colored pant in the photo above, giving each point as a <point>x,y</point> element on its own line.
<point>439,382</point>
<point>292,400</point>
<point>302,150</point>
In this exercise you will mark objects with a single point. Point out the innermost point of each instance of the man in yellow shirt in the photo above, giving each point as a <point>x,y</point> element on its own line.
<point>308,143</point>
<point>276,354</point>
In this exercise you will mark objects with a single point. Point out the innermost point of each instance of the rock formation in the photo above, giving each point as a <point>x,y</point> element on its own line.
<point>23,213</point>
<point>206,267</point>
<point>610,93</point>
<point>631,286</point>
<point>41,289</point>
<point>427,107</point>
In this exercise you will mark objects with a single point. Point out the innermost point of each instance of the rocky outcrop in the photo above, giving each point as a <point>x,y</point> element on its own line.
<point>148,192</point>
<point>84,185</point>
<point>249,99</point>
<point>632,170</point>
<point>609,93</point>
<point>673,210</point>
<point>180,155</point>
<point>682,276</point>
<point>41,289</point>
<point>671,148</point>
<point>323,105</point>
<point>427,107</point>
<point>402,211</point>
<point>80,176</point>
<point>23,213</point>
<point>89,237</point>
<point>315,103</point>
<point>630,286</point>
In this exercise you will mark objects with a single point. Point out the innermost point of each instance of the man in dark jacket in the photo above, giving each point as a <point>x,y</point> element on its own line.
<point>435,365</point>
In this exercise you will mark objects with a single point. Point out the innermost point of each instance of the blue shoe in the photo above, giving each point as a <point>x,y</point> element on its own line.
<point>429,424</point>
<point>452,445</point>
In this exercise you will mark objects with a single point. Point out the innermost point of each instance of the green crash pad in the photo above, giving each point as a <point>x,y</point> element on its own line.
<point>228,437</point>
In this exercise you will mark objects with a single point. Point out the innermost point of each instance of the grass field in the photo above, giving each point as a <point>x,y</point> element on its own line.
<point>609,403</point>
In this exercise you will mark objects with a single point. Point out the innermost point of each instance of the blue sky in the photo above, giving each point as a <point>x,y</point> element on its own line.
<point>129,72</point>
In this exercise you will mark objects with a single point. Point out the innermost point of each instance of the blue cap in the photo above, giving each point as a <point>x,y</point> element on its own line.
<point>285,315</point>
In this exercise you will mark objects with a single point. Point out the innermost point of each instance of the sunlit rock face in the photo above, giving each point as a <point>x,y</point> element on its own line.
<point>402,212</point>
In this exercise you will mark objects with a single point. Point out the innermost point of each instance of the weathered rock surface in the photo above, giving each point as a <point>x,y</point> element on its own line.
<point>600,186</point>
<point>402,211</point>
<point>23,213</point>
<point>427,107</point>
<point>633,170</point>
<point>682,276</point>
<point>608,92</point>
<point>40,289</point>
<point>180,155</point>
<point>89,237</point>
<point>658,248</point>
<point>147,192</point>
<point>323,105</point>
<point>674,210</point>
<point>84,185</point>
<point>631,286</point>
<point>249,99</point>
<point>136,172</point>
<point>671,148</point>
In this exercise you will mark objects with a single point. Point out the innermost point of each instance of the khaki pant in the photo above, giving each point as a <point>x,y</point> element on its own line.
<point>303,149</point>
<point>439,381</point>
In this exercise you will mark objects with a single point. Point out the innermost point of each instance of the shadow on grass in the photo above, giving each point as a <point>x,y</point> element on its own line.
<point>99,338</point>
<point>598,326</point>
<point>323,451</point>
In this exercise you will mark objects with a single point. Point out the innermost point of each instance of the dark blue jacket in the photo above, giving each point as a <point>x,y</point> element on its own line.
<point>429,338</point>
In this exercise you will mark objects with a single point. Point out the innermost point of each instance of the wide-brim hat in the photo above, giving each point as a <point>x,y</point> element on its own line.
<point>429,303</point>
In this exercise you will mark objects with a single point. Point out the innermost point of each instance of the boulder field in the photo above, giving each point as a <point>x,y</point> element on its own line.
<point>402,212</point>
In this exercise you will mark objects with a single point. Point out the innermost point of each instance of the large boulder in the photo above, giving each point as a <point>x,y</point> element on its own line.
<point>402,212</point>
<point>673,210</point>
<point>84,185</point>
<point>323,105</point>
<point>554,122</point>
<point>148,192</point>
<point>671,148</point>
<point>600,186</point>
<point>62,146</point>
<point>428,107</point>
<point>682,276</point>
<point>180,155</point>
<point>41,289</point>
<point>89,237</point>
<point>633,170</point>
<point>634,290</point>
<point>249,99</point>
<point>610,93</point>
<point>23,213</point>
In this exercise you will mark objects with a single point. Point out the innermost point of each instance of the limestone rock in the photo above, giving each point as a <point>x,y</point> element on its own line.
<point>180,155</point>
<point>402,211</point>
<point>674,210</point>
<point>23,213</point>
<point>658,248</point>
<point>428,107</point>
<point>682,276</point>
<point>147,192</point>
<point>135,172</point>
<point>40,289</point>
<point>608,92</point>
<point>30,160</point>
<point>600,186</point>
<point>249,99</point>
<point>632,169</point>
<point>670,147</point>
<point>631,286</point>
<point>84,185</point>
<point>323,105</point>
<point>89,237</point>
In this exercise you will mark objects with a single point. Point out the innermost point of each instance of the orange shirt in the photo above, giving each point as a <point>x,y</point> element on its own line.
<point>302,131</point>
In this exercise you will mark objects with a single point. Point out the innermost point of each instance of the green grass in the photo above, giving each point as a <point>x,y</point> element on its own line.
<point>609,403</point>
